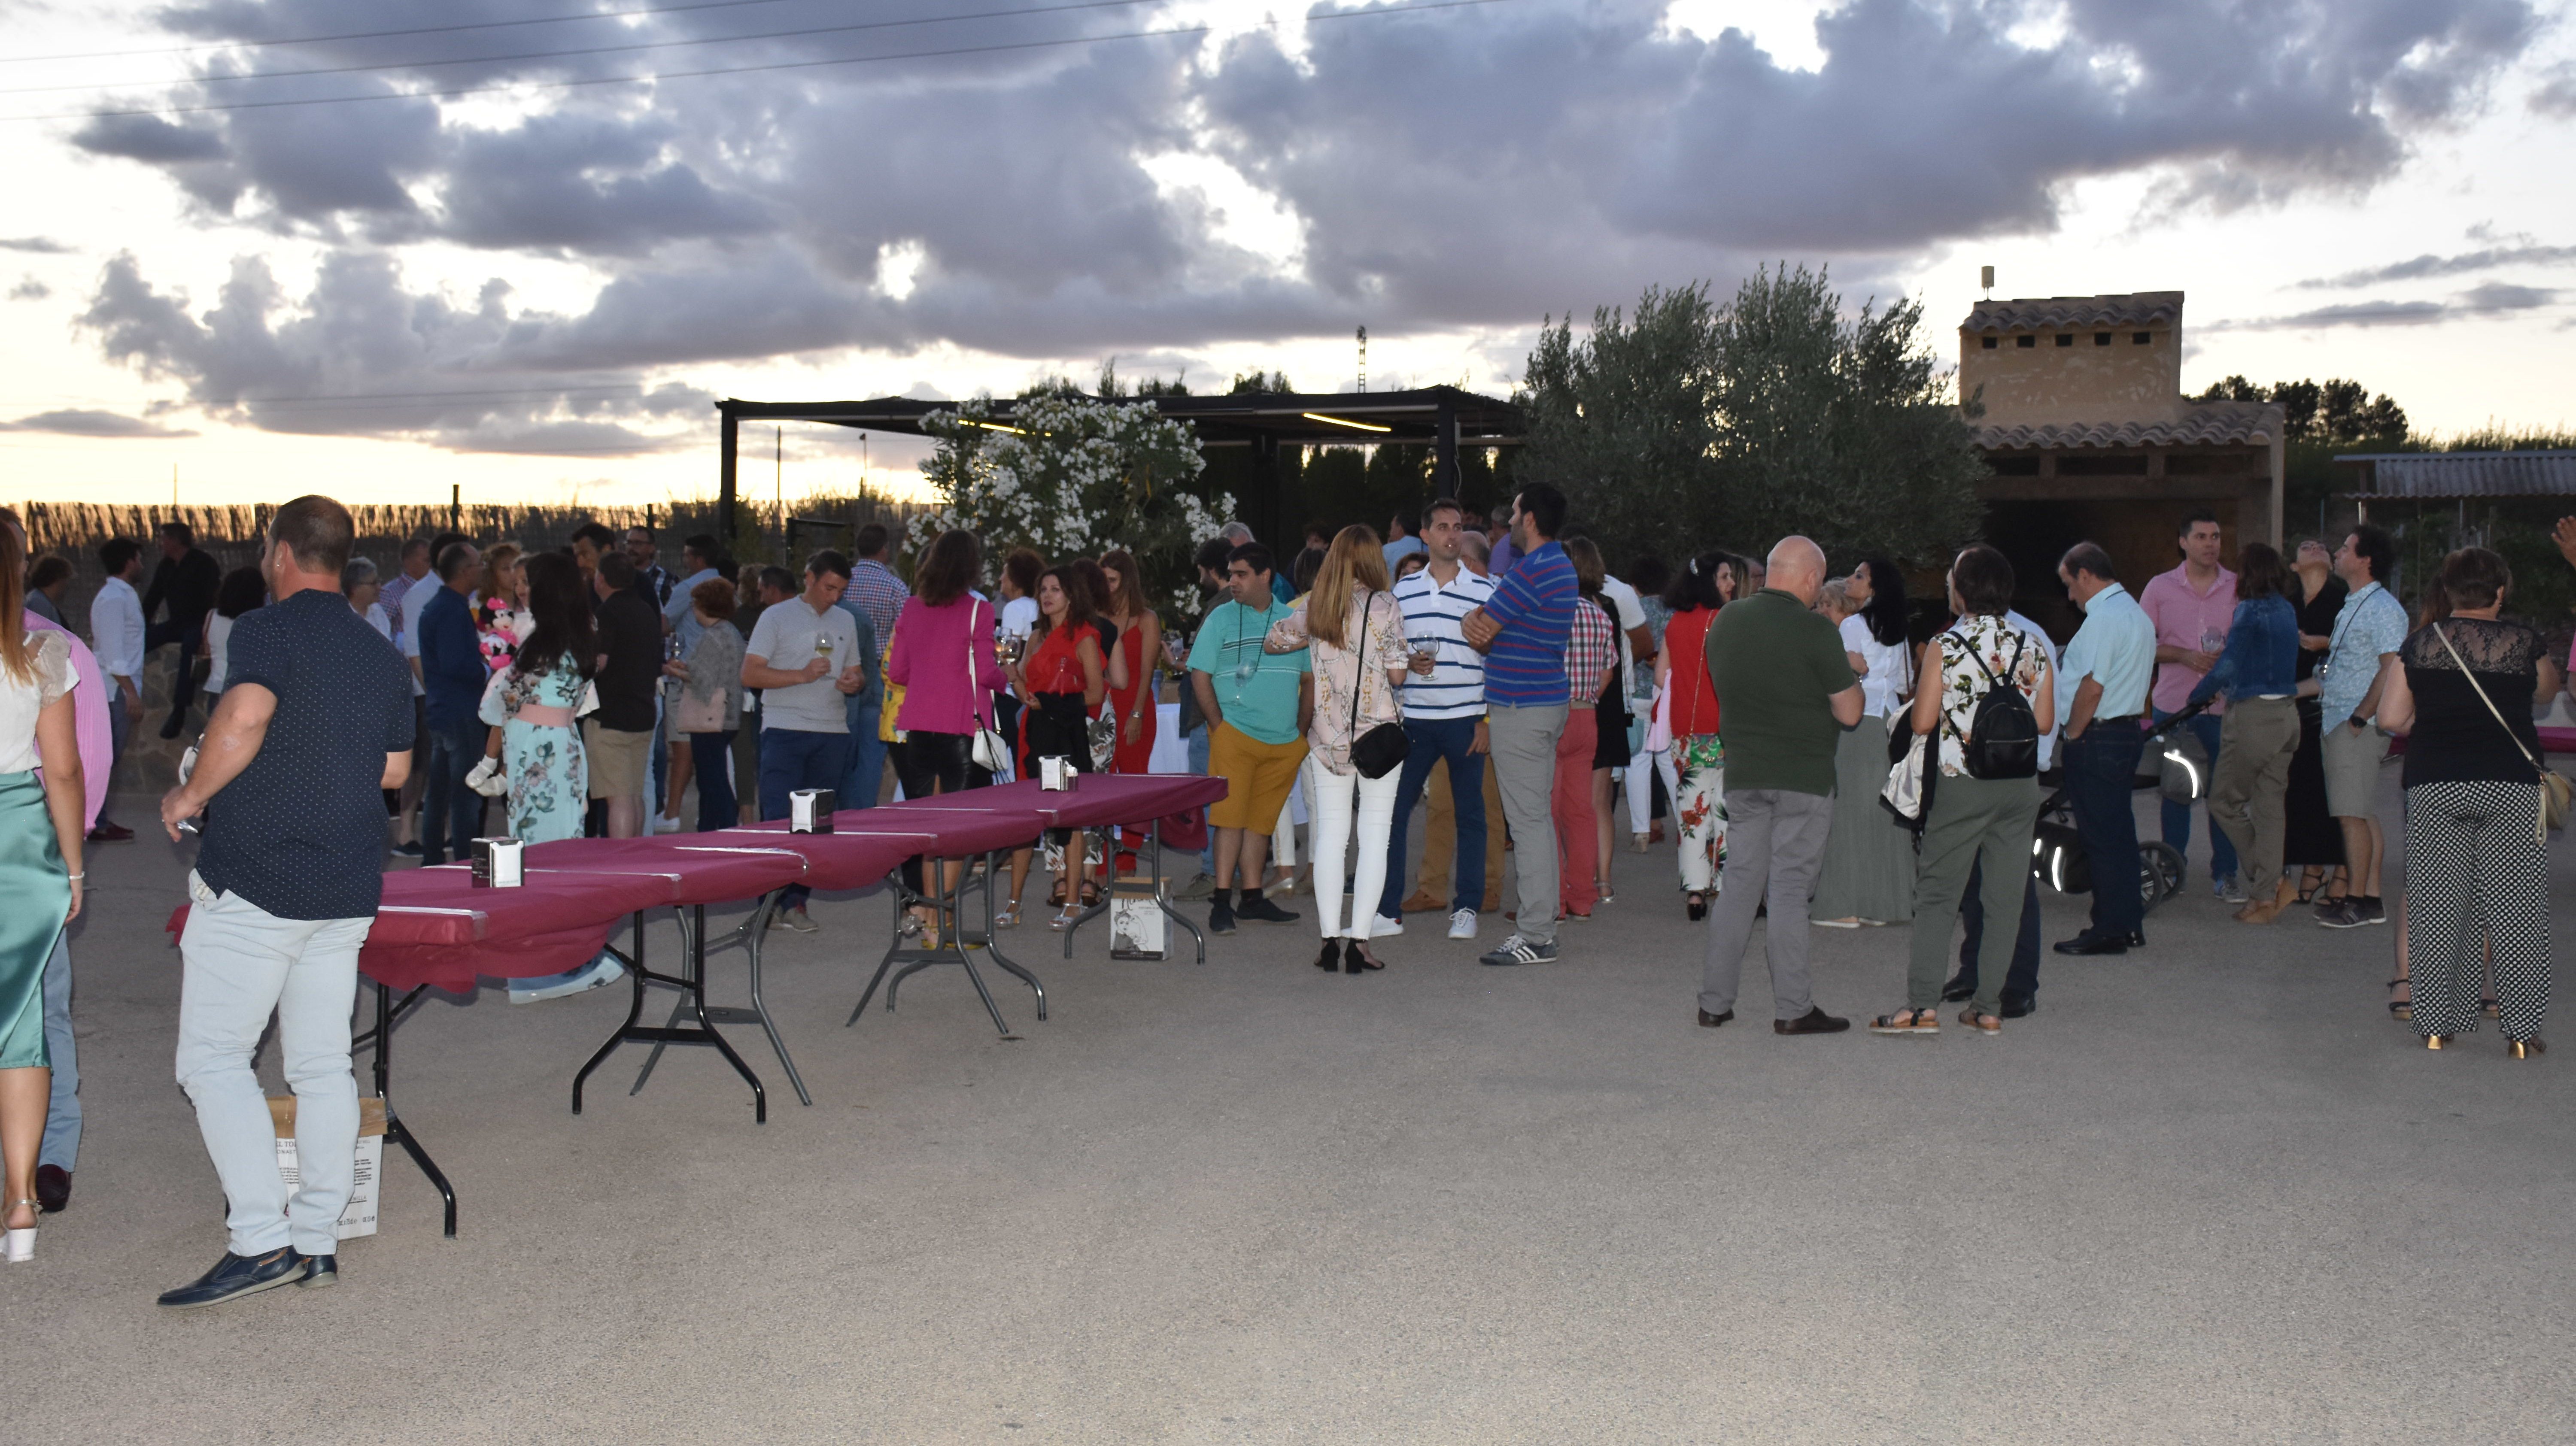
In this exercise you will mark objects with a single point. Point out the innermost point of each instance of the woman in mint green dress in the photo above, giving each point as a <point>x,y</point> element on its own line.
<point>40,874</point>
<point>533,702</point>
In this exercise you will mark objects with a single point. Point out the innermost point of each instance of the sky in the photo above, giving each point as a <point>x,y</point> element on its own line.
<point>518,247</point>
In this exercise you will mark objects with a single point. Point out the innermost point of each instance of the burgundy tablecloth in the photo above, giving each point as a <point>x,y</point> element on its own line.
<point>1095,801</point>
<point>698,870</point>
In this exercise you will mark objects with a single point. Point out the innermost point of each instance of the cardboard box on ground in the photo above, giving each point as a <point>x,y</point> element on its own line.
<point>360,1217</point>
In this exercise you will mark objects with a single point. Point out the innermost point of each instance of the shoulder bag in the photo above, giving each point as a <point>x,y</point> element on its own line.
<point>2555,790</point>
<point>1382,749</point>
<point>987,748</point>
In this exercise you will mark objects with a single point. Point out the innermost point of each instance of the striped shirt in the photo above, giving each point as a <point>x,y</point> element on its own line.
<point>1534,603</point>
<point>1456,687</point>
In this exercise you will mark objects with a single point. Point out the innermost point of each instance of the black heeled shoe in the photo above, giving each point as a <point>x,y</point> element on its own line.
<point>1331,958</point>
<point>1356,957</point>
<point>1696,906</point>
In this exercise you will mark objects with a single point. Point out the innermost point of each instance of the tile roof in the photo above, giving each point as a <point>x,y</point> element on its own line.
<point>2052,313</point>
<point>2200,424</point>
<point>2467,474</point>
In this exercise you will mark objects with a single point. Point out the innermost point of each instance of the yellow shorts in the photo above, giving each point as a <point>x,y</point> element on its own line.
<point>1257,775</point>
<point>617,759</point>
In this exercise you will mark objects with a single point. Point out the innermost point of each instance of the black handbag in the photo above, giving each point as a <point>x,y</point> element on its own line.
<point>1381,750</point>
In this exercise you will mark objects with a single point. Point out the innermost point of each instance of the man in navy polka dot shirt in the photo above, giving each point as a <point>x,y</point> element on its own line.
<point>316,718</point>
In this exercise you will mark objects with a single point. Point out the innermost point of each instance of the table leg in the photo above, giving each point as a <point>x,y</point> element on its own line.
<point>1109,852</point>
<point>693,999</point>
<point>951,950</point>
<point>991,940</point>
<point>1165,904</point>
<point>395,1130</point>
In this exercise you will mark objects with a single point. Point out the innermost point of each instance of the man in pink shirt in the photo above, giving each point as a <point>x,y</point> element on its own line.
<point>2191,607</point>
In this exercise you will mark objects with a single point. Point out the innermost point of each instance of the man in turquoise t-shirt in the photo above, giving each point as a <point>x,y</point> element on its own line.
<point>1256,703</point>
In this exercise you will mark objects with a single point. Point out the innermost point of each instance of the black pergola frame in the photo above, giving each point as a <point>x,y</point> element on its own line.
<point>1442,418</point>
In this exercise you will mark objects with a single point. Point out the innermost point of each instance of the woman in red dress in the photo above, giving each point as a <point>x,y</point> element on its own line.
<point>1135,678</point>
<point>1060,683</point>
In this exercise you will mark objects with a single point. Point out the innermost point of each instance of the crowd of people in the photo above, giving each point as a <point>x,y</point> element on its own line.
<point>1810,746</point>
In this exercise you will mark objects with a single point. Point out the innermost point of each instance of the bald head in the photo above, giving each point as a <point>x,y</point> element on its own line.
<point>1797,567</point>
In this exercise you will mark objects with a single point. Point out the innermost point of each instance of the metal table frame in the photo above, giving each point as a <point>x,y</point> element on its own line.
<point>958,948</point>
<point>691,982</point>
<point>1109,853</point>
<point>387,1013</point>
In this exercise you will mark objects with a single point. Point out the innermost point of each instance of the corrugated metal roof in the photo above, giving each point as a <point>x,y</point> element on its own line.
<point>2202,424</point>
<point>2465,474</point>
<point>2057,313</point>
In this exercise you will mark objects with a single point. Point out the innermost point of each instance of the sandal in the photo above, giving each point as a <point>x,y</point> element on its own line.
<point>1066,919</point>
<point>2402,1008</point>
<point>1907,1021</point>
<point>1009,917</point>
<point>1985,1024</point>
<point>1090,894</point>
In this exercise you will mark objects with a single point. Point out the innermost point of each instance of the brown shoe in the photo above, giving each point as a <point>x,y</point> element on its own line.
<point>1423,903</point>
<point>1712,1021</point>
<point>1814,1021</point>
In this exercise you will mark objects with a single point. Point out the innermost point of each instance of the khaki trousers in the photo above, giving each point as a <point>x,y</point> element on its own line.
<point>1440,837</point>
<point>2249,786</point>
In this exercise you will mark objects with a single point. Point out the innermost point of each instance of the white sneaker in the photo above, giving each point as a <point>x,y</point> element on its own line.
<point>665,824</point>
<point>1384,926</point>
<point>599,973</point>
<point>1462,924</point>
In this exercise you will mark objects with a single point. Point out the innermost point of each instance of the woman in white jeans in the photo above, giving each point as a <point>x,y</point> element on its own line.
<point>1356,631</point>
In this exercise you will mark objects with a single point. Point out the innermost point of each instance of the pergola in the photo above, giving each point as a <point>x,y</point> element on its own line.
<point>1443,418</point>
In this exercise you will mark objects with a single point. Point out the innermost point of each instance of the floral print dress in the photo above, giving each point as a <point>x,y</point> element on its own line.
<point>549,779</point>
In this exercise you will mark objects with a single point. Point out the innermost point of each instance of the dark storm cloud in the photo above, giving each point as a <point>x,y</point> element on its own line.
<point>2491,299</point>
<point>83,422</point>
<point>1461,168</point>
<point>360,354</point>
<point>2429,265</point>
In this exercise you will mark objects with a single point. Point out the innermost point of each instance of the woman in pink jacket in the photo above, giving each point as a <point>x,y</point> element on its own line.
<point>942,655</point>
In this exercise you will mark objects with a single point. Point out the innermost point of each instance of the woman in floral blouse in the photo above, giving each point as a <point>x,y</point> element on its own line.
<point>1974,822</point>
<point>1357,633</point>
<point>532,705</point>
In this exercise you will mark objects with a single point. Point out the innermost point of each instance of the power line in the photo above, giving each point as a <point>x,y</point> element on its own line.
<point>610,49</point>
<point>774,66</point>
<point>385,34</point>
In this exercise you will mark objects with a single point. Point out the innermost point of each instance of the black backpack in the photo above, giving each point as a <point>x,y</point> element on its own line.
<point>2003,734</point>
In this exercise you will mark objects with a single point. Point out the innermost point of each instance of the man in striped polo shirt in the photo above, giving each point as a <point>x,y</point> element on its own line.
<point>1444,714</point>
<point>1522,632</point>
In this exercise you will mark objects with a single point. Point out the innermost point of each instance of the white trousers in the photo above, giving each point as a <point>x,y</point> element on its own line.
<point>238,963</point>
<point>1332,831</point>
<point>1641,787</point>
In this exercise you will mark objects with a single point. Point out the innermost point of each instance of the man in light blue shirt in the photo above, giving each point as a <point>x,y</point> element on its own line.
<point>2367,633</point>
<point>2102,696</point>
<point>680,624</point>
<point>1400,542</point>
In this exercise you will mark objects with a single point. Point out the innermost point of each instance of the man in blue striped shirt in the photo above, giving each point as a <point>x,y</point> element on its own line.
<point>1444,714</point>
<point>1522,631</point>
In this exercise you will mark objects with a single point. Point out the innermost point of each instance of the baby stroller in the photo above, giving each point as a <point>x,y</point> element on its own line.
<point>2176,766</point>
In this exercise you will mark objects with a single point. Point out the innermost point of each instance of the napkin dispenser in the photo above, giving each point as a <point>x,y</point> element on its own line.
<point>499,863</point>
<point>1056,775</point>
<point>809,810</point>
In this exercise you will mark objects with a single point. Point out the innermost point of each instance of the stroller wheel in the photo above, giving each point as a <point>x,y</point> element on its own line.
<point>2160,872</point>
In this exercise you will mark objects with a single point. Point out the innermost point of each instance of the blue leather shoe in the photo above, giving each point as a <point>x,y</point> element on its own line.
<point>235,1276</point>
<point>320,1270</point>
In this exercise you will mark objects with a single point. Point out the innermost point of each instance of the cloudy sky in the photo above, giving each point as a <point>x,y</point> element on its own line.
<point>386,246</point>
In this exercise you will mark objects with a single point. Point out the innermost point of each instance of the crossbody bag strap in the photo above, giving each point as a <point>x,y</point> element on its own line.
<point>1359,661</point>
<point>2492,710</point>
<point>974,709</point>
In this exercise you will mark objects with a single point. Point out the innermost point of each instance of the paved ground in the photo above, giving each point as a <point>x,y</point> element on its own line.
<point>2209,1193</point>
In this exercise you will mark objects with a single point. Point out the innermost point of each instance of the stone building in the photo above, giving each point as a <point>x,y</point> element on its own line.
<point>2086,427</point>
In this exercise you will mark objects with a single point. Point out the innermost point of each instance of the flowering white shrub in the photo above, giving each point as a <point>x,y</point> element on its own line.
<point>1073,476</point>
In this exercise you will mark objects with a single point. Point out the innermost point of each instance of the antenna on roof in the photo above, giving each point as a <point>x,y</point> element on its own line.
<point>1363,359</point>
<point>1986,279</point>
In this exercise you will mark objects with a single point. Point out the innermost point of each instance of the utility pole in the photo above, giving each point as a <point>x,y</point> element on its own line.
<point>778,459</point>
<point>1364,358</point>
<point>455,505</point>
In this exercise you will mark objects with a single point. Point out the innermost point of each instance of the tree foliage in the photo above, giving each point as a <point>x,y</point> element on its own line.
<point>2335,412</point>
<point>1071,476</point>
<point>1689,424</point>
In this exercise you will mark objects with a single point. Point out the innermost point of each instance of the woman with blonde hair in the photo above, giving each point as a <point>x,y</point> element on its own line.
<point>1356,631</point>
<point>40,874</point>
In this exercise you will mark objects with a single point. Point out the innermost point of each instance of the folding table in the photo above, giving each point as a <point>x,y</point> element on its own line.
<point>689,876</point>
<point>944,833</point>
<point>1102,803</point>
<point>436,929</point>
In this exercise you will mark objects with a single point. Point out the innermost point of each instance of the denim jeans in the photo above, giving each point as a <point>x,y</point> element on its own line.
<point>1435,740</point>
<point>711,763</point>
<point>2100,767</point>
<point>2177,819</point>
<point>451,814</point>
<point>1199,766</point>
<point>863,778</point>
<point>791,759</point>
<point>238,962</point>
<point>62,1111</point>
